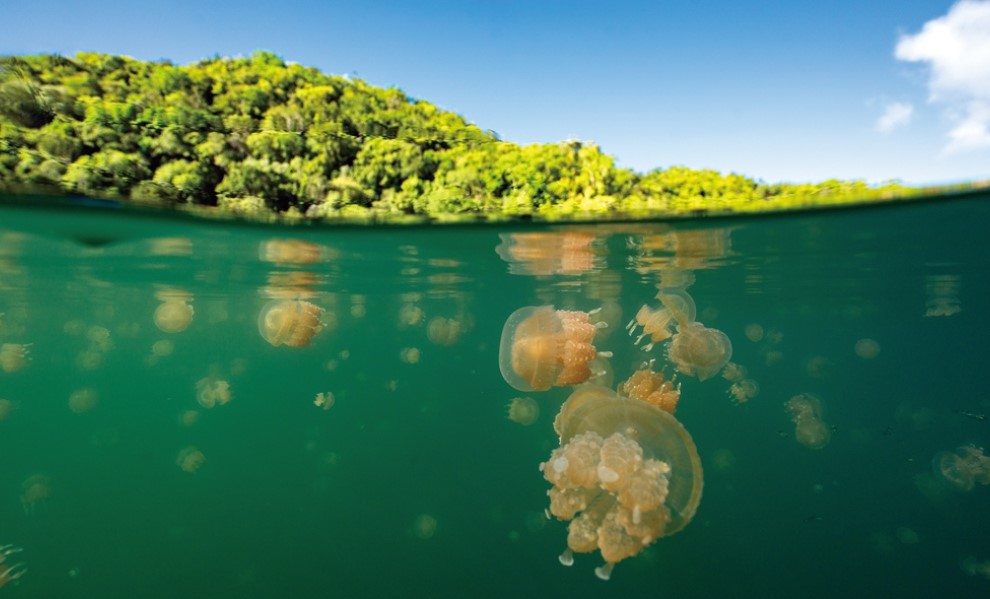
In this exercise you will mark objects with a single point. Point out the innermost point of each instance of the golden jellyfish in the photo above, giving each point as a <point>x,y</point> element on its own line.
<point>962,469</point>
<point>680,304</point>
<point>444,331</point>
<point>542,348</point>
<point>211,391</point>
<point>809,428</point>
<point>626,473</point>
<point>653,388</point>
<point>699,351</point>
<point>14,356</point>
<point>290,251</point>
<point>190,459</point>
<point>744,390</point>
<point>290,322</point>
<point>175,312</point>
<point>657,324</point>
<point>523,410</point>
<point>734,372</point>
<point>324,400</point>
<point>867,348</point>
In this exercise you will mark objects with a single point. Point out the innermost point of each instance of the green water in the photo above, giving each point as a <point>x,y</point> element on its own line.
<point>415,483</point>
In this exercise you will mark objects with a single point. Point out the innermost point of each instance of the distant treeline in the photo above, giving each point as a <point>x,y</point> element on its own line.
<point>257,135</point>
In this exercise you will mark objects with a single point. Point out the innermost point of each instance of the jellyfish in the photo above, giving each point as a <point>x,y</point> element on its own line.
<point>6,407</point>
<point>10,572</point>
<point>290,322</point>
<point>324,400</point>
<point>211,391</point>
<point>14,356</point>
<point>175,313</point>
<point>651,387</point>
<point>83,400</point>
<point>523,410</point>
<point>699,351</point>
<point>962,469</point>
<point>542,348</point>
<point>626,473</point>
<point>806,413</point>
<point>658,324</point>
<point>36,489</point>
<point>190,459</point>
<point>744,390</point>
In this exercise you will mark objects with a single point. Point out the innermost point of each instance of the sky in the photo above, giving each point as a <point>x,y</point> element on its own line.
<point>777,91</point>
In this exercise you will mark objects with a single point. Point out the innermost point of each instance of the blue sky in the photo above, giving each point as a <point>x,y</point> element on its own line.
<point>778,91</point>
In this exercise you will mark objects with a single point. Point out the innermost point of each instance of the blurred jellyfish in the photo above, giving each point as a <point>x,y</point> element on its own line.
<point>35,489</point>
<point>324,400</point>
<point>734,372</point>
<point>659,323</point>
<point>867,348</point>
<point>290,251</point>
<point>424,527</point>
<point>653,388</point>
<point>975,567</point>
<point>744,390</point>
<point>175,313</point>
<point>626,473</point>
<point>83,400</point>
<point>190,459</point>
<point>523,410</point>
<point>699,351</point>
<point>806,413</point>
<point>963,469</point>
<point>6,407</point>
<point>542,348</point>
<point>290,322</point>
<point>9,572</point>
<point>14,356</point>
<point>754,332</point>
<point>212,391</point>
<point>444,331</point>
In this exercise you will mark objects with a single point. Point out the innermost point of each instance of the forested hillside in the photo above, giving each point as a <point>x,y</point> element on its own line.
<point>258,135</point>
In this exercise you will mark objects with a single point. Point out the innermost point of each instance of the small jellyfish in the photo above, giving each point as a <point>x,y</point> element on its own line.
<point>680,304</point>
<point>6,407</point>
<point>211,391</point>
<point>657,324</point>
<point>653,388</point>
<point>542,348</point>
<point>809,428</point>
<point>444,331</point>
<point>424,527</point>
<point>867,348</point>
<point>699,351</point>
<point>175,313</point>
<point>14,356</point>
<point>626,473</point>
<point>290,322</point>
<point>35,489</point>
<point>523,410</point>
<point>190,459</point>
<point>734,372</point>
<point>963,469</point>
<point>744,390</point>
<point>83,400</point>
<point>324,400</point>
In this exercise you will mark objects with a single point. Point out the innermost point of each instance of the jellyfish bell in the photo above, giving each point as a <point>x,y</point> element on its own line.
<point>699,351</point>
<point>542,348</point>
<point>809,428</point>
<point>680,304</point>
<point>290,322</point>
<point>626,473</point>
<point>962,469</point>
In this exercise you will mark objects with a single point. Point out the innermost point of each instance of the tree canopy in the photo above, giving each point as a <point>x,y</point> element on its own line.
<point>258,135</point>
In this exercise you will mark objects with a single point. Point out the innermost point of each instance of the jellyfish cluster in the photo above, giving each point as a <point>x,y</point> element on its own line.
<point>626,474</point>
<point>963,468</point>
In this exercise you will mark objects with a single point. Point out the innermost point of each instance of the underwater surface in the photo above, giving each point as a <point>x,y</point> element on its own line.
<point>210,409</point>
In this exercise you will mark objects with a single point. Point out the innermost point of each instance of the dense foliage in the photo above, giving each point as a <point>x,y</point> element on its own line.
<point>255,135</point>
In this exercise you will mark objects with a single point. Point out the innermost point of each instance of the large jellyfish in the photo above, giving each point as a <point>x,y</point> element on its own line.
<point>290,322</point>
<point>964,468</point>
<point>542,348</point>
<point>626,473</point>
<point>699,351</point>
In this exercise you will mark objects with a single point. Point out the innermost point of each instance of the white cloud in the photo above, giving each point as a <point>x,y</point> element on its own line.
<point>895,115</point>
<point>957,49</point>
